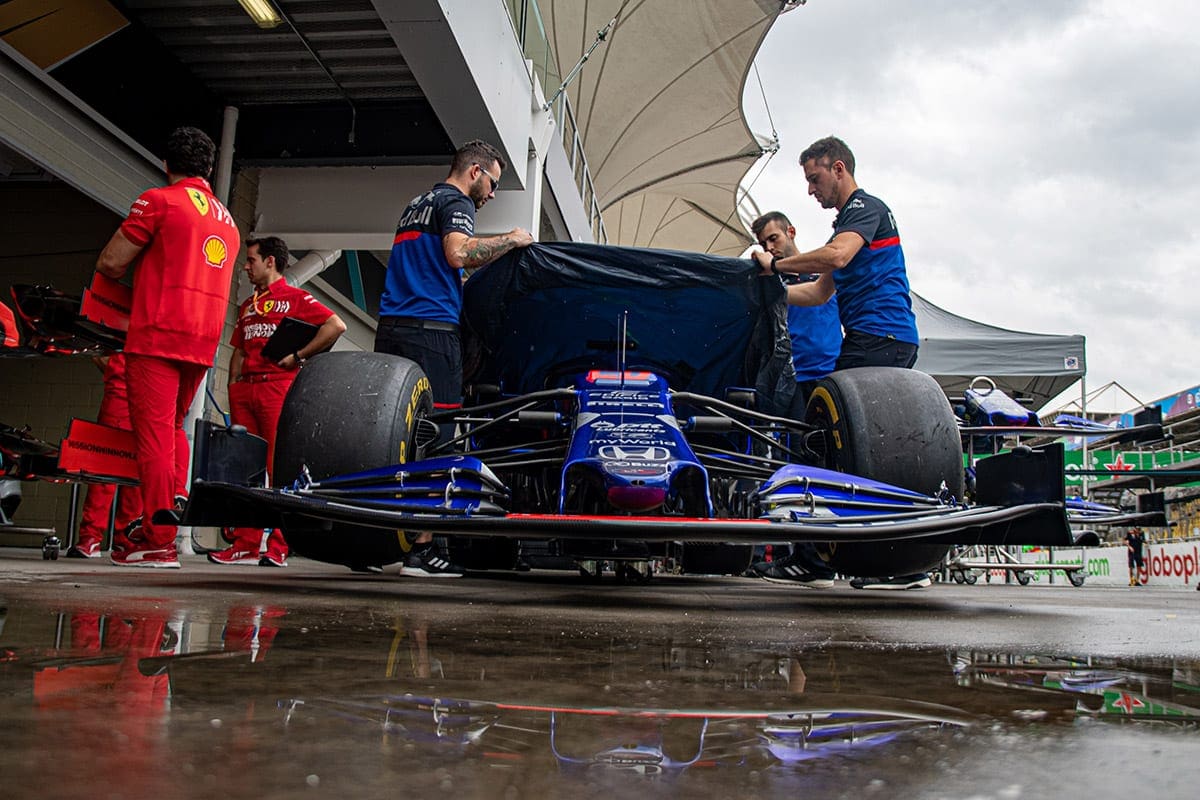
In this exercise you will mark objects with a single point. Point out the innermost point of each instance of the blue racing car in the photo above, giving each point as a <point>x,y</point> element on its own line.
<point>624,405</point>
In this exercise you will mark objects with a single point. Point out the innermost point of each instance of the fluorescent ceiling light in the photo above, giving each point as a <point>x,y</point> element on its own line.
<point>262,12</point>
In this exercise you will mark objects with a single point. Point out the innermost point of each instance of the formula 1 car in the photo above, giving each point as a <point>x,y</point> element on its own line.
<point>622,402</point>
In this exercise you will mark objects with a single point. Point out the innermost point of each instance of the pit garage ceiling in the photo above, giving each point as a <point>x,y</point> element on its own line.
<point>658,105</point>
<point>327,87</point>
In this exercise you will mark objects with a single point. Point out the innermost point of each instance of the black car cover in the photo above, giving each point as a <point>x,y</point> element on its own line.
<point>707,323</point>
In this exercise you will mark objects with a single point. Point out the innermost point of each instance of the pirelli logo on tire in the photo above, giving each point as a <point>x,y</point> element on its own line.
<point>420,388</point>
<point>822,395</point>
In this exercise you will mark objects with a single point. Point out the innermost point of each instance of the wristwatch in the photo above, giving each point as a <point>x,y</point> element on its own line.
<point>774,268</point>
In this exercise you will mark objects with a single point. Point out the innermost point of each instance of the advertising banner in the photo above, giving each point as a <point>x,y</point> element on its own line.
<point>1175,565</point>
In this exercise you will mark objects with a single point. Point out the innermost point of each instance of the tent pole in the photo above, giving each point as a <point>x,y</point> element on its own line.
<point>1083,406</point>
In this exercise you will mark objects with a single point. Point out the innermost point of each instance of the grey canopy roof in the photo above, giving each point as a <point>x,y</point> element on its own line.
<point>1033,366</point>
<point>659,110</point>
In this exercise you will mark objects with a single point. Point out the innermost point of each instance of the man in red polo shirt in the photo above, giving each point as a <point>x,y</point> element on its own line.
<point>257,385</point>
<point>182,244</point>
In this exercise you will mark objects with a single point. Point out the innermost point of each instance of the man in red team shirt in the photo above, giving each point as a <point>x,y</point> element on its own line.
<point>182,243</point>
<point>257,386</point>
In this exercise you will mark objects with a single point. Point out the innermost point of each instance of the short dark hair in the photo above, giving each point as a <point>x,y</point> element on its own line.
<point>271,246</point>
<point>766,219</point>
<point>478,152</point>
<point>829,150</point>
<point>190,153</point>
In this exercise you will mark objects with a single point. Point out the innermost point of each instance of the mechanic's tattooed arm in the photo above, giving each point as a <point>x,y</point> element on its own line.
<point>470,251</point>
<point>483,251</point>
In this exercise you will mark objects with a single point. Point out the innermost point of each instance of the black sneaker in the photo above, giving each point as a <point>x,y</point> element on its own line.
<point>426,563</point>
<point>897,583</point>
<point>785,570</point>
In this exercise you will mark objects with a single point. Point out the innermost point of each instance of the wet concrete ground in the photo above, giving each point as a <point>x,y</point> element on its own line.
<point>313,681</point>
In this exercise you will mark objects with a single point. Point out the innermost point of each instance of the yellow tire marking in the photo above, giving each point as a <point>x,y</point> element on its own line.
<point>827,399</point>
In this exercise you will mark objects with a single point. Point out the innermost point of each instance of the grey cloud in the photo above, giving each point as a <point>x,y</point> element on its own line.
<point>1041,160</point>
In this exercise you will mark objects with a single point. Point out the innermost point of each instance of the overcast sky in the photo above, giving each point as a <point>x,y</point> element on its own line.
<point>1042,160</point>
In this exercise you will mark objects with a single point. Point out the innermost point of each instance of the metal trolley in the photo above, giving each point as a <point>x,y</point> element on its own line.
<point>962,564</point>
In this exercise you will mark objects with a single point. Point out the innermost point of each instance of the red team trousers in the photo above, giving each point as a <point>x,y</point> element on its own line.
<point>257,404</point>
<point>160,393</point>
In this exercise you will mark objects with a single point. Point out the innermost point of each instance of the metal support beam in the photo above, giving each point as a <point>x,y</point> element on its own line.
<point>51,127</point>
<point>223,178</point>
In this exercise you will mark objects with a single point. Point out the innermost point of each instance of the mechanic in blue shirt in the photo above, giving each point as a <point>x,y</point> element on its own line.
<point>422,297</point>
<point>863,263</point>
<point>815,331</point>
<point>816,336</point>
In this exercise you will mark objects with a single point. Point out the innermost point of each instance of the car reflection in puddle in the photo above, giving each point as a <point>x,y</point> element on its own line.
<point>1102,689</point>
<point>251,700</point>
<point>647,741</point>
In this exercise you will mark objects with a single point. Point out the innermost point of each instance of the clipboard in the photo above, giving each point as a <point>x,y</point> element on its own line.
<point>291,335</point>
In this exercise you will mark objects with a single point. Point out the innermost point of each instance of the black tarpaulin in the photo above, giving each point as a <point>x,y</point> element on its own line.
<point>707,323</point>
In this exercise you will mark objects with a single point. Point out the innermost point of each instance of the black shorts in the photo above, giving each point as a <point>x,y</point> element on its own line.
<point>868,350</point>
<point>437,352</point>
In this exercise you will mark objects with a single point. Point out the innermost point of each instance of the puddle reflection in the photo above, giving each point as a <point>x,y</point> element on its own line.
<point>1168,693</point>
<point>289,702</point>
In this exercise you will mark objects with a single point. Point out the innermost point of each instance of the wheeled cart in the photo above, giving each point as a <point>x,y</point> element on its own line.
<point>962,564</point>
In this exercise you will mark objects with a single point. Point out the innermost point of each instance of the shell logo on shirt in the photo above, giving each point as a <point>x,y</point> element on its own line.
<point>215,252</point>
<point>199,200</point>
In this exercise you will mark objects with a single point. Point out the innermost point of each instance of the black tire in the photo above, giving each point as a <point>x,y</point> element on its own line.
<point>716,559</point>
<point>1077,577</point>
<point>349,411</point>
<point>627,573</point>
<point>480,553</point>
<point>593,575</point>
<point>896,426</point>
<point>1024,578</point>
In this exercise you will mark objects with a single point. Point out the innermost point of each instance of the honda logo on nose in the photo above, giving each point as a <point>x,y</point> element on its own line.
<point>610,452</point>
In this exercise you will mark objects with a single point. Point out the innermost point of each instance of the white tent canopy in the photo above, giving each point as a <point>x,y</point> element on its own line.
<point>1031,366</point>
<point>658,106</point>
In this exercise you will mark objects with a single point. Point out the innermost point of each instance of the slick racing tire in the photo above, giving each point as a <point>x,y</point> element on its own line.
<point>896,426</point>
<point>346,412</point>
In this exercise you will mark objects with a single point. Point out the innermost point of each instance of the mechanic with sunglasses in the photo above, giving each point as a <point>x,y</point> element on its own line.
<point>422,297</point>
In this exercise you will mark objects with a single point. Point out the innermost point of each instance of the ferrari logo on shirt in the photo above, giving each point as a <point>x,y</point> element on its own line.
<point>215,251</point>
<point>199,200</point>
<point>267,306</point>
